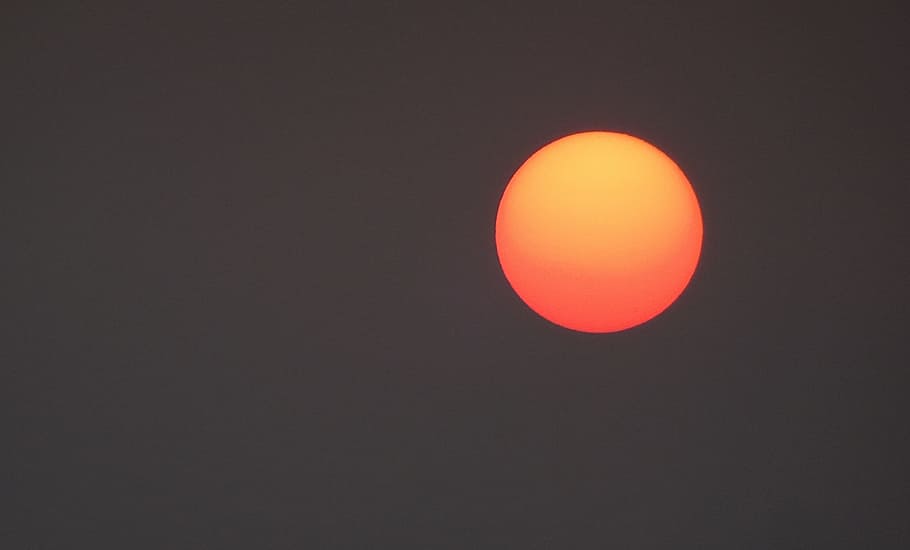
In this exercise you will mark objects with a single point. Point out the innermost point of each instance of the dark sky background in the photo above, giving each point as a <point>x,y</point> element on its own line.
<point>252,297</point>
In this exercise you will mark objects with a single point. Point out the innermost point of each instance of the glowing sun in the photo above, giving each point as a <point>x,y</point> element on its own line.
<point>598,231</point>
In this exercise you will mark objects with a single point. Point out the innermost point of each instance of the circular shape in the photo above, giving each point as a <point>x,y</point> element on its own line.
<point>598,231</point>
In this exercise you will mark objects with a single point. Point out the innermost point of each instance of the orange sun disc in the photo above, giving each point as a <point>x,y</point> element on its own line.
<point>598,231</point>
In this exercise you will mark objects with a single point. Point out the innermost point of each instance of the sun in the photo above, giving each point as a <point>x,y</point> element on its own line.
<point>599,232</point>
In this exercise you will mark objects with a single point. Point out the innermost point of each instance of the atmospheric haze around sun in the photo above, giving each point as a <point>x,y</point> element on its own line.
<point>599,232</point>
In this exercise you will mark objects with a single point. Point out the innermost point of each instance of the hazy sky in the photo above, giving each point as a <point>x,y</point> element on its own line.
<point>252,297</point>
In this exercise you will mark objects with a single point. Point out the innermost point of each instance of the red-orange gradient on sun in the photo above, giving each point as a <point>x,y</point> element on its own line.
<point>599,231</point>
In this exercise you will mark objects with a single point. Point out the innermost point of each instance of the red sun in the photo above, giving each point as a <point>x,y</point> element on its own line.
<point>599,231</point>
